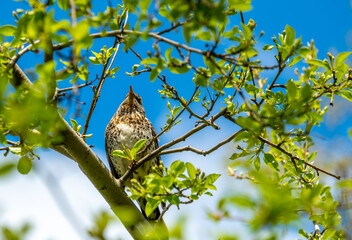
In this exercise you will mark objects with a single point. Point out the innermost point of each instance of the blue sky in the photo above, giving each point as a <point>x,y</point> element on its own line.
<point>329,24</point>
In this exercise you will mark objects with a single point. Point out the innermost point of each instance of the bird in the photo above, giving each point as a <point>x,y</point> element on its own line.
<point>129,125</point>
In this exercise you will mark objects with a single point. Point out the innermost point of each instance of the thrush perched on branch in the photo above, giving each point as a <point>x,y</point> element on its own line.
<point>128,126</point>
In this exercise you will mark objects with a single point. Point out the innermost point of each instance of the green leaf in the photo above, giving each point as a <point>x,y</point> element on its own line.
<point>154,73</point>
<point>175,110</point>
<point>114,70</point>
<point>270,161</point>
<point>151,205</point>
<point>144,5</point>
<point>173,199</point>
<point>168,54</point>
<point>64,4</point>
<point>347,94</point>
<point>341,58</point>
<point>290,35</point>
<point>94,60</point>
<point>151,60</point>
<point>119,153</point>
<point>16,150</point>
<point>329,233</point>
<point>268,47</point>
<point>251,89</point>
<point>241,5</point>
<point>191,170</point>
<point>6,168</point>
<point>295,60</point>
<point>74,124</point>
<point>211,178</point>
<point>257,163</point>
<point>312,156</point>
<point>165,13</point>
<point>200,80</point>
<point>319,63</point>
<point>303,233</point>
<point>242,201</point>
<point>178,167</point>
<point>8,30</point>
<point>304,52</point>
<point>180,70</point>
<point>24,165</point>
<point>292,90</point>
<point>187,33</point>
<point>247,32</point>
<point>167,181</point>
<point>204,35</point>
<point>306,92</point>
<point>137,146</point>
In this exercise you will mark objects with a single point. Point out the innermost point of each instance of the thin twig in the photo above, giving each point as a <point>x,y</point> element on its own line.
<point>76,87</point>
<point>104,75</point>
<point>183,104</point>
<point>164,211</point>
<point>296,158</point>
<point>255,113</point>
<point>172,28</point>
<point>202,152</point>
<point>73,23</point>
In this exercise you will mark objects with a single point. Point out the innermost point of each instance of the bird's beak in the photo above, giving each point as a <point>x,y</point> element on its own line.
<point>130,96</point>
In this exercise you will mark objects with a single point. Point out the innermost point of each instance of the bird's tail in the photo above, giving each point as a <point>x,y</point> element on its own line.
<point>154,215</point>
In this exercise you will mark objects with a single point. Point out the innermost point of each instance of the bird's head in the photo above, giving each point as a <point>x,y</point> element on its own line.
<point>132,103</point>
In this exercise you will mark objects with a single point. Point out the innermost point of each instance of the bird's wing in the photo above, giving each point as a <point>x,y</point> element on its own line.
<point>112,168</point>
<point>156,144</point>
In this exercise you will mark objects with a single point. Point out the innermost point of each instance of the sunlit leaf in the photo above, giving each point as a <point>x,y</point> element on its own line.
<point>137,146</point>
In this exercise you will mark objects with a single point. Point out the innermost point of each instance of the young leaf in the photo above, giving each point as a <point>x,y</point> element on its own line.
<point>257,163</point>
<point>292,90</point>
<point>271,162</point>
<point>6,168</point>
<point>168,54</point>
<point>119,153</point>
<point>290,35</point>
<point>8,30</point>
<point>178,167</point>
<point>268,47</point>
<point>319,63</point>
<point>347,94</point>
<point>341,58</point>
<point>295,60</point>
<point>151,205</point>
<point>74,124</point>
<point>191,170</point>
<point>137,146</point>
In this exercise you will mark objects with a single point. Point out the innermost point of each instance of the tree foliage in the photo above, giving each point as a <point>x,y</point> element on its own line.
<point>272,118</point>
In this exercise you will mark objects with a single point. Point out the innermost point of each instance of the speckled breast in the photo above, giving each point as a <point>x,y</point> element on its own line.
<point>128,134</point>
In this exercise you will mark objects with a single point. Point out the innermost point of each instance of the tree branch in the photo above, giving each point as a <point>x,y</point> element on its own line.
<point>156,36</point>
<point>111,189</point>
